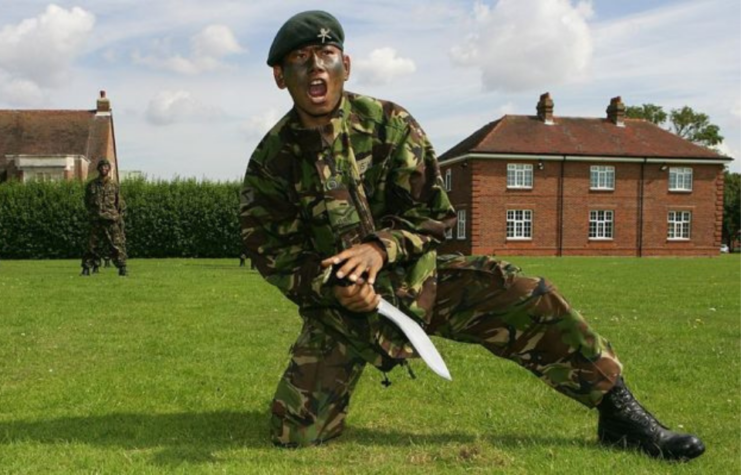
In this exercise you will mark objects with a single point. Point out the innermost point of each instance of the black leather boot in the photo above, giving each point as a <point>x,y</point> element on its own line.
<point>85,271</point>
<point>623,422</point>
<point>122,271</point>
<point>95,269</point>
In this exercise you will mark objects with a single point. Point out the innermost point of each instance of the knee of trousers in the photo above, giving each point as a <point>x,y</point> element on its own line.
<point>291,430</point>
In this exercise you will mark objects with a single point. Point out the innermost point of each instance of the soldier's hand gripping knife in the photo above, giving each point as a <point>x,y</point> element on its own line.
<point>416,335</point>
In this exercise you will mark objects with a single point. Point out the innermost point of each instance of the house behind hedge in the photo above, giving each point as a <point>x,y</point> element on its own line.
<point>56,144</point>
<point>548,185</point>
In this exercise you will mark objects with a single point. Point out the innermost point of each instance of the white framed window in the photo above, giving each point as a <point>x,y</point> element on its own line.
<point>462,224</point>
<point>601,224</point>
<point>680,179</point>
<point>602,177</point>
<point>448,179</point>
<point>519,175</point>
<point>679,225</point>
<point>32,175</point>
<point>449,233</point>
<point>519,224</point>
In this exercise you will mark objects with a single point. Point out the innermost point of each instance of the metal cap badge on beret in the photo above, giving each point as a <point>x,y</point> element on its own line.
<point>306,28</point>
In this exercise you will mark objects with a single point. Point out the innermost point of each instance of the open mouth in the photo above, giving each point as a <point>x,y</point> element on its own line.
<point>317,89</point>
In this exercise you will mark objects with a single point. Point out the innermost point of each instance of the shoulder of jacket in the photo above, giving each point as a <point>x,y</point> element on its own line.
<point>369,112</point>
<point>272,142</point>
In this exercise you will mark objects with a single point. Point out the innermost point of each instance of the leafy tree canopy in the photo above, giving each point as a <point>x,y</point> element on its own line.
<point>685,122</point>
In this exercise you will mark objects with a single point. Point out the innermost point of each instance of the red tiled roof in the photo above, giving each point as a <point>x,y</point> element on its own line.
<point>42,132</point>
<point>519,134</point>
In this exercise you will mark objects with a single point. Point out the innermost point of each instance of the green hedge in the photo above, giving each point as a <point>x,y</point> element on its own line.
<point>180,218</point>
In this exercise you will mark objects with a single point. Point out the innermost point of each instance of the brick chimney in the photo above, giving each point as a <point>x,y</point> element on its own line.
<point>545,108</point>
<point>616,111</point>
<point>103,105</point>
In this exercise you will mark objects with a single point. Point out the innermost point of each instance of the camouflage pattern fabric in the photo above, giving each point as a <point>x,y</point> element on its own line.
<point>369,175</point>
<point>106,209</point>
<point>312,398</point>
<point>525,319</point>
<point>372,175</point>
<point>479,300</point>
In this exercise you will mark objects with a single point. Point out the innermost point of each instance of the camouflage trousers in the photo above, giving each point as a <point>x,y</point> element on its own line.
<point>479,300</point>
<point>106,239</point>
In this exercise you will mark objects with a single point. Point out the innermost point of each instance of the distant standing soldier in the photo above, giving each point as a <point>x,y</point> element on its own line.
<point>105,209</point>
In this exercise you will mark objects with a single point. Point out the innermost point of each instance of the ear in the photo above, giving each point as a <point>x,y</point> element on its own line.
<point>347,63</point>
<point>278,76</point>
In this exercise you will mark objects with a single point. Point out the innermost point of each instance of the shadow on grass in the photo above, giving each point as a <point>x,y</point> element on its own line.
<point>180,438</point>
<point>195,438</point>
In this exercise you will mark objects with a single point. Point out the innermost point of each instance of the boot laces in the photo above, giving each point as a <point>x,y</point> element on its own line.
<point>634,411</point>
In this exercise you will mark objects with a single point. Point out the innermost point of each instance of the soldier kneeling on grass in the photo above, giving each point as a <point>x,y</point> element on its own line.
<point>349,186</point>
<point>105,209</point>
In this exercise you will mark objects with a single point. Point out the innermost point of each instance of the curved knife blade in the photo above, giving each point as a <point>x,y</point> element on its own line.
<point>417,337</point>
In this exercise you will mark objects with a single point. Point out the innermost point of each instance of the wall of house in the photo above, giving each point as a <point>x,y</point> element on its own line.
<point>460,197</point>
<point>640,212</point>
<point>492,199</point>
<point>623,201</point>
<point>110,152</point>
<point>705,201</point>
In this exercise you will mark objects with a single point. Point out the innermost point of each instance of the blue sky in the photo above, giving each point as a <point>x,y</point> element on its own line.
<point>192,96</point>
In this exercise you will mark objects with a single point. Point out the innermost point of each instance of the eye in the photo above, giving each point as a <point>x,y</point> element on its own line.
<point>298,56</point>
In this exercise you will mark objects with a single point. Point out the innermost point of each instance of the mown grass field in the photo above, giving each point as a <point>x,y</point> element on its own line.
<point>171,371</point>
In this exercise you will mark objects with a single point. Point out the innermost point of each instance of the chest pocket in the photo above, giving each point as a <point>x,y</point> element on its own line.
<point>342,213</point>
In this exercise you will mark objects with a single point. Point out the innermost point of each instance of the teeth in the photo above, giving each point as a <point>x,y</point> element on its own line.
<point>316,82</point>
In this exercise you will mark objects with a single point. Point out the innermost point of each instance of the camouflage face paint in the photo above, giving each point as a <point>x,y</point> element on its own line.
<point>315,77</point>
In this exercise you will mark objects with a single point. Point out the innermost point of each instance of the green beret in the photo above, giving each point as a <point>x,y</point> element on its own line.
<point>312,27</point>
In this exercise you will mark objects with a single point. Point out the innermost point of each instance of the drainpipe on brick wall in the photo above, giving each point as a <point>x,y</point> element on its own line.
<point>640,207</point>
<point>559,251</point>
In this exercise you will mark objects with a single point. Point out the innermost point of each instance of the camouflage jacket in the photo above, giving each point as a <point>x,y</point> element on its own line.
<point>103,201</point>
<point>369,175</point>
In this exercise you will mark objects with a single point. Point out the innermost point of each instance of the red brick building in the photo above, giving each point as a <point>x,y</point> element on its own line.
<point>552,186</point>
<point>56,144</point>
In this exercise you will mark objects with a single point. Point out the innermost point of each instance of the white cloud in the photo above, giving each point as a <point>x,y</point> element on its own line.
<point>169,107</point>
<point>21,91</point>
<point>37,53</point>
<point>727,150</point>
<point>208,48</point>
<point>257,126</point>
<point>215,41</point>
<point>521,45</point>
<point>382,67</point>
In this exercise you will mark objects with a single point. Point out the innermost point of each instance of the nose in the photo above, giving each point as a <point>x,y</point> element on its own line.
<point>316,62</point>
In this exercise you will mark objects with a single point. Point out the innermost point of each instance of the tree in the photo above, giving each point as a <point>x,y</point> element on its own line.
<point>731,207</point>
<point>685,122</point>
<point>650,112</point>
<point>695,127</point>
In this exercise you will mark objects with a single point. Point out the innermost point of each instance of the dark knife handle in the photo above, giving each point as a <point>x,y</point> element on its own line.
<point>343,282</point>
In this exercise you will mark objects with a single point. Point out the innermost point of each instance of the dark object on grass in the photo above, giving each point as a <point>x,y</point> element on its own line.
<point>624,423</point>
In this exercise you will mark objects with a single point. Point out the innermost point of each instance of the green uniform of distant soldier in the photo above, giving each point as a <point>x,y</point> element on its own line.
<point>105,208</point>
<point>350,185</point>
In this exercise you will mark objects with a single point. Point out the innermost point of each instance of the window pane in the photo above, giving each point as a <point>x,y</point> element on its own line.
<point>600,224</point>
<point>519,224</point>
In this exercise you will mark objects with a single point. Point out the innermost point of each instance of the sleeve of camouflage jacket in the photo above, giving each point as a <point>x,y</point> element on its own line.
<point>275,237</point>
<point>415,193</point>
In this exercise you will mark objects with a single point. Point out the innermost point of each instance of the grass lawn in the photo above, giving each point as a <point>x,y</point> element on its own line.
<point>171,371</point>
